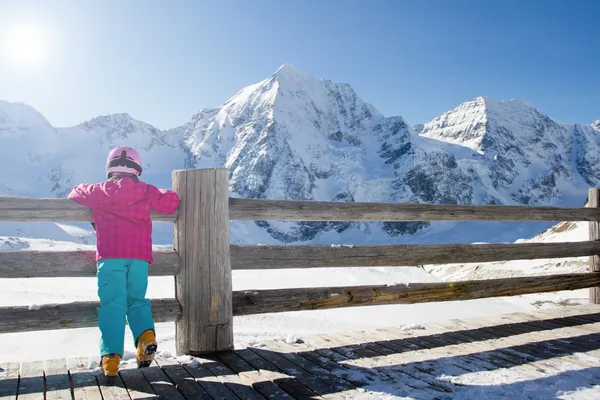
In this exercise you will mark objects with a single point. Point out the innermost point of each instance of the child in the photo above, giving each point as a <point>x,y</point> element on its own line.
<point>121,210</point>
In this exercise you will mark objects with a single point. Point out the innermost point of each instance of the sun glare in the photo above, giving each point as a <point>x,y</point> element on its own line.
<point>26,46</point>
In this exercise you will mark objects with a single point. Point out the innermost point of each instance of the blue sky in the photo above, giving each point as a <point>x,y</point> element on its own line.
<point>162,61</point>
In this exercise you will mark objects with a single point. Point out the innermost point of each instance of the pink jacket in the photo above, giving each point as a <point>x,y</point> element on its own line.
<point>121,210</point>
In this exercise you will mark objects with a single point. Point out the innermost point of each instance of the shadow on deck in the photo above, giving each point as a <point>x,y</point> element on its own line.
<point>537,355</point>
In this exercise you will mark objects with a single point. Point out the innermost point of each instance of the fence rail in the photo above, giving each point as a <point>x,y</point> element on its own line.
<point>202,259</point>
<point>72,264</point>
<point>282,256</point>
<point>298,210</point>
<point>79,314</point>
<point>281,300</point>
<point>248,302</point>
<point>26,209</point>
<point>22,209</point>
<point>81,264</point>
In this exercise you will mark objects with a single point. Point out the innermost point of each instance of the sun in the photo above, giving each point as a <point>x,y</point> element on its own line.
<point>26,46</point>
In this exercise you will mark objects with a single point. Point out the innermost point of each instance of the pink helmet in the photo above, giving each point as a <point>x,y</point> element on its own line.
<point>124,160</point>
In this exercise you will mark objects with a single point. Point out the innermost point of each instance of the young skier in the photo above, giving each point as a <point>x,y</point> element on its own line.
<point>121,210</point>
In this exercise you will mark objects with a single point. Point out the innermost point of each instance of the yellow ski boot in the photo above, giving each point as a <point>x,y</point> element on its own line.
<point>146,348</point>
<point>110,364</point>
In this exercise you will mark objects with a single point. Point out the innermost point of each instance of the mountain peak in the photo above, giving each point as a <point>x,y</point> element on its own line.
<point>112,121</point>
<point>15,115</point>
<point>118,117</point>
<point>471,122</point>
<point>464,124</point>
<point>288,69</point>
<point>596,124</point>
<point>290,77</point>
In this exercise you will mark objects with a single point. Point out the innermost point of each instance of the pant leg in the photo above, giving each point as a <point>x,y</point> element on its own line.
<point>112,291</point>
<point>139,313</point>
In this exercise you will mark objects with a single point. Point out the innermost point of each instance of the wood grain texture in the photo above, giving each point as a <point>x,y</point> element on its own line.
<point>81,314</point>
<point>203,284</point>
<point>304,256</point>
<point>306,210</point>
<point>248,302</point>
<point>15,209</point>
<point>72,264</point>
<point>594,203</point>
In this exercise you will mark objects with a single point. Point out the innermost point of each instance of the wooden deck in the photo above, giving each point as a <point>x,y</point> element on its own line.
<point>533,355</point>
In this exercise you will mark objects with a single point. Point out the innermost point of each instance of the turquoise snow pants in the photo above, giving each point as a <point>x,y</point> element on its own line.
<point>122,284</point>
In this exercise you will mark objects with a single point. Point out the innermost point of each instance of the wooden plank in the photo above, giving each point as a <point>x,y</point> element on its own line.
<point>112,387</point>
<point>246,302</point>
<point>83,380</point>
<point>72,264</point>
<point>64,210</point>
<point>360,361</point>
<point>524,347</point>
<point>530,348</point>
<point>205,276</point>
<point>306,210</point>
<point>210,383</point>
<point>489,336</point>
<point>580,341</point>
<point>40,264</point>
<point>135,382</point>
<point>519,365</point>
<point>9,380</point>
<point>528,362</point>
<point>383,343</point>
<point>31,381</point>
<point>221,314</point>
<point>455,344</point>
<point>58,384</point>
<point>312,348</point>
<point>594,235</point>
<point>291,384</point>
<point>477,343</point>
<point>570,339</point>
<point>160,383</point>
<point>247,257</point>
<point>398,360</point>
<point>182,380</point>
<point>322,387</point>
<point>80,314</point>
<point>484,344</point>
<point>578,323</point>
<point>287,351</point>
<point>241,388</point>
<point>17,209</point>
<point>472,344</point>
<point>341,370</point>
<point>387,363</point>
<point>260,382</point>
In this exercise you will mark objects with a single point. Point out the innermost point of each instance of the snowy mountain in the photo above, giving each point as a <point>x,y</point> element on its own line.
<point>47,162</point>
<point>292,136</point>
<point>525,157</point>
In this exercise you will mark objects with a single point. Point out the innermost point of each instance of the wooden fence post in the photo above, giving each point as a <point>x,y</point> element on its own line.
<point>203,284</point>
<point>594,201</point>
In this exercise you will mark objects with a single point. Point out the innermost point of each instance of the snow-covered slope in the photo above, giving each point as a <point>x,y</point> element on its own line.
<point>561,232</point>
<point>292,136</point>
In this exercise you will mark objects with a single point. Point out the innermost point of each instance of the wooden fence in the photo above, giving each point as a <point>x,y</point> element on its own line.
<point>202,259</point>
